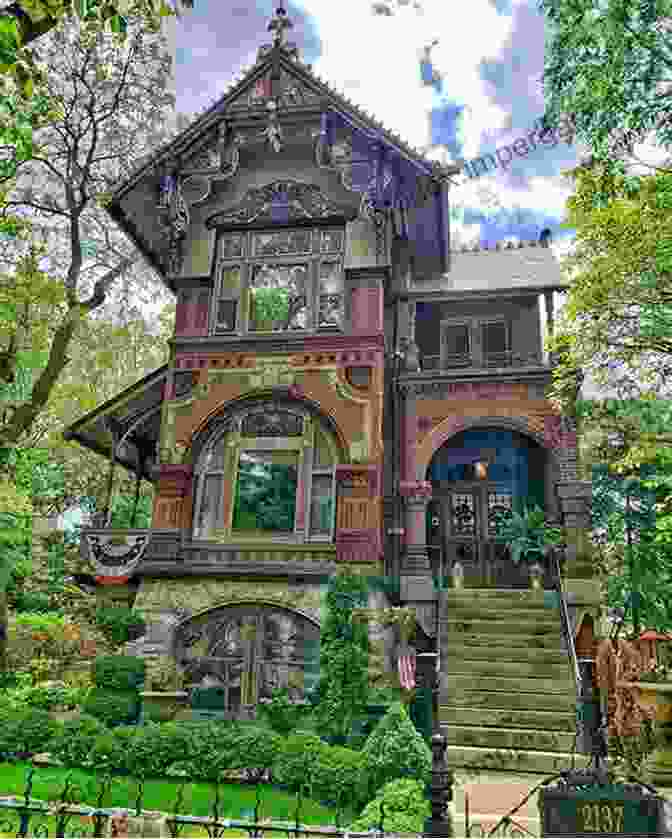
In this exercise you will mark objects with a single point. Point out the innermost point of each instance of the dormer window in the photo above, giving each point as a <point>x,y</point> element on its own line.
<point>288,280</point>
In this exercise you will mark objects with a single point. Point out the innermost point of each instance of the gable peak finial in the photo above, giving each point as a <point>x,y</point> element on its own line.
<point>279,24</point>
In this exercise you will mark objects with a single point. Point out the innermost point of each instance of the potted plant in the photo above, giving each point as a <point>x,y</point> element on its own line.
<point>528,535</point>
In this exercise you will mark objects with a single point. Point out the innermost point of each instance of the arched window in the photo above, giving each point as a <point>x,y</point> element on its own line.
<point>269,474</point>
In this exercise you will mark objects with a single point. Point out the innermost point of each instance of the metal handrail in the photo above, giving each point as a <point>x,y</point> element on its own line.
<point>566,626</point>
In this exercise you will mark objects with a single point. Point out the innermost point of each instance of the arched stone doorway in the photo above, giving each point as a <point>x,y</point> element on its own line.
<point>474,475</point>
<point>249,649</point>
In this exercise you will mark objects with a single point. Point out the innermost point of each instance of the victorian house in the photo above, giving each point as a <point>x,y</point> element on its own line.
<point>343,391</point>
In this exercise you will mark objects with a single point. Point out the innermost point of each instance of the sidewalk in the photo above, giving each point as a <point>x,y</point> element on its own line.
<point>492,796</point>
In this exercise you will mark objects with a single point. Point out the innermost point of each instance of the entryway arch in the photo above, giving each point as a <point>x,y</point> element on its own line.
<point>478,471</point>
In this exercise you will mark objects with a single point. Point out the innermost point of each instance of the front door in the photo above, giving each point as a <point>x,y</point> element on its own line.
<point>469,529</point>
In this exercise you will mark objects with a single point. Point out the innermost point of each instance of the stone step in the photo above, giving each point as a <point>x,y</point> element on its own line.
<point>477,611</point>
<point>517,718</point>
<point>528,739</point>
<point>497,628</point>
<point>528,597</point>
<point>509,643</point>
<point>507,684</point>
<point>497,667</point>
<point>503,701</point>
<point>507,760</point>
<point>458,651</point>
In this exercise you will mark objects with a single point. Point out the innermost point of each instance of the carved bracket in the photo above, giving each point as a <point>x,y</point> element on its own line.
<point>359,476</point>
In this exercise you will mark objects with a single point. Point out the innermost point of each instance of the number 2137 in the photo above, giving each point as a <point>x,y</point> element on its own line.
<point>601,818</point>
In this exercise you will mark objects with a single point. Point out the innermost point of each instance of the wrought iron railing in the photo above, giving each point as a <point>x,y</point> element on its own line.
<point>564,617</point>
<point>455,361</point>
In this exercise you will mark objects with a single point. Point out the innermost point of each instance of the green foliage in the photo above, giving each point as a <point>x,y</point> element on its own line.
<point>340,776</point>
<point>405,808</point>
<point>344,657</point>
<point>122,511</point>
<point>296,764</point>
<point>120,624</point>
<point>280,713</point>
<point>74,742</point>
<point>271,304</point>
<point>395,749</point>
<point>119,672</point>
<point>109,753</point>
<point>526,533</point>
<point>605,64</point>
<point>255,750</point>
<point>113,707</point>
<point>47,696</point>
<point>26,730</point>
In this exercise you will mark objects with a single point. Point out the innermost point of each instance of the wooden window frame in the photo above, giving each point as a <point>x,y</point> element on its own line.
<point>475,331</point>
<point>248,260</point>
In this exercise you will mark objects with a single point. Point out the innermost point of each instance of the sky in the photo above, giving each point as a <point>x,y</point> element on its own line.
<point>457,85</point>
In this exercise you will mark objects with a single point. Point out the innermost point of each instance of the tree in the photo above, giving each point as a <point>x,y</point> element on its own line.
<point>26,103</point>
<point>344,682</point>
<point>609,65</point>
<point>114,106</point>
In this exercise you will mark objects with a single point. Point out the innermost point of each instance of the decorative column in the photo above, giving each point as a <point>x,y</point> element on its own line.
<point>416,572</point>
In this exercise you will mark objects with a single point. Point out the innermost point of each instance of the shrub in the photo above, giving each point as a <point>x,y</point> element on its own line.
<point>120,624</point>
<point>113,707</point>
<point>150,751</point>
<point>295,765</point>
<point>33,601</point>
<point>73,744</point>
<point>280,713</point>
<point>108,753</point>
<point>340,776</point>
<point>405,809</point>
<point>26,731</point>
<point>395,749</point>
<point>119,672</point>
<point>255,750</point>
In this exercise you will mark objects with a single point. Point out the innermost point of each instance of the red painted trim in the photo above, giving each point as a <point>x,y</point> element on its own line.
<point>112,581</point>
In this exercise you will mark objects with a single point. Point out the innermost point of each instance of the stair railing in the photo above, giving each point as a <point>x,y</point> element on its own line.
<point>564,617</point>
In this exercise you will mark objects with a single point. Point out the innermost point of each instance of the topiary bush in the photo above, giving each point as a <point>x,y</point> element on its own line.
<point>339,777</point>
<point>74,742</point>
<point>296,764</point>
<point>120,624</point>
<point>26,731</point>
<point>255,750</point>
<point>119,672</point>
<point>280,713</point>
<point>109,753</point>
<point>113,707</point>
<point>395,749</point>
<point>405,809</point>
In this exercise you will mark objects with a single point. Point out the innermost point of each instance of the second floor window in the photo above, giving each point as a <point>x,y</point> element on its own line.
<point>280,281</point>
<point>475,342</point>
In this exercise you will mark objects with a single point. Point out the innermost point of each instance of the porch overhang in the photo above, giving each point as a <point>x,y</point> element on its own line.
<point>135,414</point>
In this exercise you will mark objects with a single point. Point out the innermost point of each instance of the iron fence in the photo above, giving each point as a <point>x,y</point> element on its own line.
<point>27,816</point>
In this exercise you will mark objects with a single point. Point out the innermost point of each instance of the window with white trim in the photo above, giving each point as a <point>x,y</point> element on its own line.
<point>252,481</point>
<point>279,281</point>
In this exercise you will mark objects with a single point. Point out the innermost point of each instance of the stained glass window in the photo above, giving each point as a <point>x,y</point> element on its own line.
<point>266,294</point>
<point>282,242</point>
<point>330,295</point>
<point>279,297</point>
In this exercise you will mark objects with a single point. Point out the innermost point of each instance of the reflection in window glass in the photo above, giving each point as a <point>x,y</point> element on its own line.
<point>211,501</point>
<point>227,305</point>
<point>282,242</point>
<point>321,503</point>
<point>266,491</point>
<point>279,298</point>
<point>331,295</point>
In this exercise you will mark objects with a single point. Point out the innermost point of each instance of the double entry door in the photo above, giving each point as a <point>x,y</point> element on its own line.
<point>468,529</point>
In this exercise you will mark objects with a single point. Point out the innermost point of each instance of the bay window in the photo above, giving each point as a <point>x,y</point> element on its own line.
<point>280,281</point>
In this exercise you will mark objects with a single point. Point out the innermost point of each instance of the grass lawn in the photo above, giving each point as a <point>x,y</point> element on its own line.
<point>159,794</point>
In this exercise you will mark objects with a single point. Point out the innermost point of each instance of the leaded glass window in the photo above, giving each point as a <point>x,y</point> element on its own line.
<point>281,280</point>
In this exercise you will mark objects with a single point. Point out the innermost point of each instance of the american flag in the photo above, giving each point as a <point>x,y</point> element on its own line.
<point>406,659</point>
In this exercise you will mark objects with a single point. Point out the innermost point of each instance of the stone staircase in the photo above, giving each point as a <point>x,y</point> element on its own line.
<point>507,700</point>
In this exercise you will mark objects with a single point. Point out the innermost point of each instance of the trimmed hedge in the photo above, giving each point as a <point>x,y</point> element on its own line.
<point>405,809</point>
<point>113,707</point>
<point>120,624</point>
<point>25,731</point>
<point>119,672</point>
<point>74,742</point>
